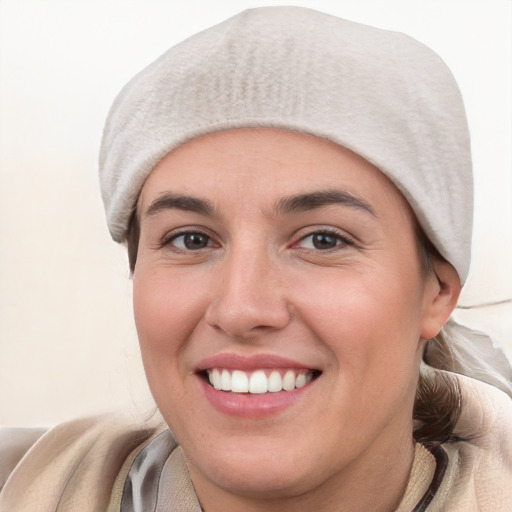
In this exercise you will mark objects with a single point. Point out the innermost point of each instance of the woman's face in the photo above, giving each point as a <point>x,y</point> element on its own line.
<point>270,258</point>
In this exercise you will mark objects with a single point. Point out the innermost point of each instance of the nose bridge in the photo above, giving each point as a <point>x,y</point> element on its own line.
<point>249,297</point>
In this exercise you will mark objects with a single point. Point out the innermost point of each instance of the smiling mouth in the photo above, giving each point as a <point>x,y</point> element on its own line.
<point>258,381</point>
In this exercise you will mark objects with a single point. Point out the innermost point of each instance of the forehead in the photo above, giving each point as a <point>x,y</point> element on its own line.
<point>264,165</point>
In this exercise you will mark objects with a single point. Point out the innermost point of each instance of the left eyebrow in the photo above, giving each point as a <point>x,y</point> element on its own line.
<point>313,200</point>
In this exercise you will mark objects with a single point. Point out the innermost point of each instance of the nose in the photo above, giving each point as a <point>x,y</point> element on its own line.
<point>249,299</point>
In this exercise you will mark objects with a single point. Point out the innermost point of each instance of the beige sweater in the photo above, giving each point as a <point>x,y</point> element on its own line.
<point>114,463</point>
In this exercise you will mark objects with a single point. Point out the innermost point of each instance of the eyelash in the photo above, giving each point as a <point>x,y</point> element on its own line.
<point>341,240</point>
<point>167,240</point>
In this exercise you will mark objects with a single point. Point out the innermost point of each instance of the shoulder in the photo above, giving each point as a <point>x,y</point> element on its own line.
<point>14,444</point>
<point>76,462</point>
<point>479,472</point>
<point>486,415</point>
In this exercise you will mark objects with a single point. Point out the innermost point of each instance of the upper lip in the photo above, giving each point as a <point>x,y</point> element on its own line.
<point>250,363</point>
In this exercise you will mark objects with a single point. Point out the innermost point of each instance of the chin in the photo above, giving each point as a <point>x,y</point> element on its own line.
<point>257,472</point>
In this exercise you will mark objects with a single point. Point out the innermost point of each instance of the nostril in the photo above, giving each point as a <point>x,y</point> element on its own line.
<point>246,320</point>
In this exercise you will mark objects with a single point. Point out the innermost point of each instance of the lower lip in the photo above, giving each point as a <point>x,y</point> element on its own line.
<point>252,406</point>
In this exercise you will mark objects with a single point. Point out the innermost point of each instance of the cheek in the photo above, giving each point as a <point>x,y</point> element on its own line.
<point>367,319</point>
<point>166,312</point>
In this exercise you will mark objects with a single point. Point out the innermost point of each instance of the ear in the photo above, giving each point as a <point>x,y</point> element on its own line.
<point>442,292</point>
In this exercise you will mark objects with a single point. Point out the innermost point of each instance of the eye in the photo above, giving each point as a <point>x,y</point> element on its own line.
<point>190,241</point>
<point>323,240</point>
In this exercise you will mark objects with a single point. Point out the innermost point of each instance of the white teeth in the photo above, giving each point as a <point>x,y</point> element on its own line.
<point>257,382</point>
<point>225,382</point>
<point>289,380</point>
<point>239,382</point>
<point>215,379</point>
<point>301,380</point>
<point>275,383</point>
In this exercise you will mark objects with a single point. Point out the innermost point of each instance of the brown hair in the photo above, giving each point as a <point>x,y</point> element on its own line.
<point>132,240</point>
<point>438,403</point>
<point>437,407</point>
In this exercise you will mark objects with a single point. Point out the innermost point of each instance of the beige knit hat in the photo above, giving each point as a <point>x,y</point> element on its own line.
<point>379,93</point>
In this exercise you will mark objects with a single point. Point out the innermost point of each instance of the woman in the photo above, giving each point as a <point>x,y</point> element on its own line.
<point>295,193</point>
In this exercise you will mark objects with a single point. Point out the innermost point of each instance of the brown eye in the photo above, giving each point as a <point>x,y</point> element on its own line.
<point>191,241</point>
<point>324,241</point>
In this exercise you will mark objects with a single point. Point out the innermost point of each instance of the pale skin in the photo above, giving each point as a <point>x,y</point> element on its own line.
<point>239,262</point>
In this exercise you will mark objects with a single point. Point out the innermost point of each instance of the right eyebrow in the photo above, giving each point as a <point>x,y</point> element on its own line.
<point>170,201</point>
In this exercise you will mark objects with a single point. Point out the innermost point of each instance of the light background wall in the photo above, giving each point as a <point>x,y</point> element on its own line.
<point>67,340</point>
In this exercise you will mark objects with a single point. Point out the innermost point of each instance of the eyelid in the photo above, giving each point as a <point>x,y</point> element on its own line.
<point>343,237</point>
<point>172,235</point>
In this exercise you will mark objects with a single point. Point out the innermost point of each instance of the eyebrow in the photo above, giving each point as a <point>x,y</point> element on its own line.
<point>310,201</point>
<point>285,206</point>
<point>170,201</point>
